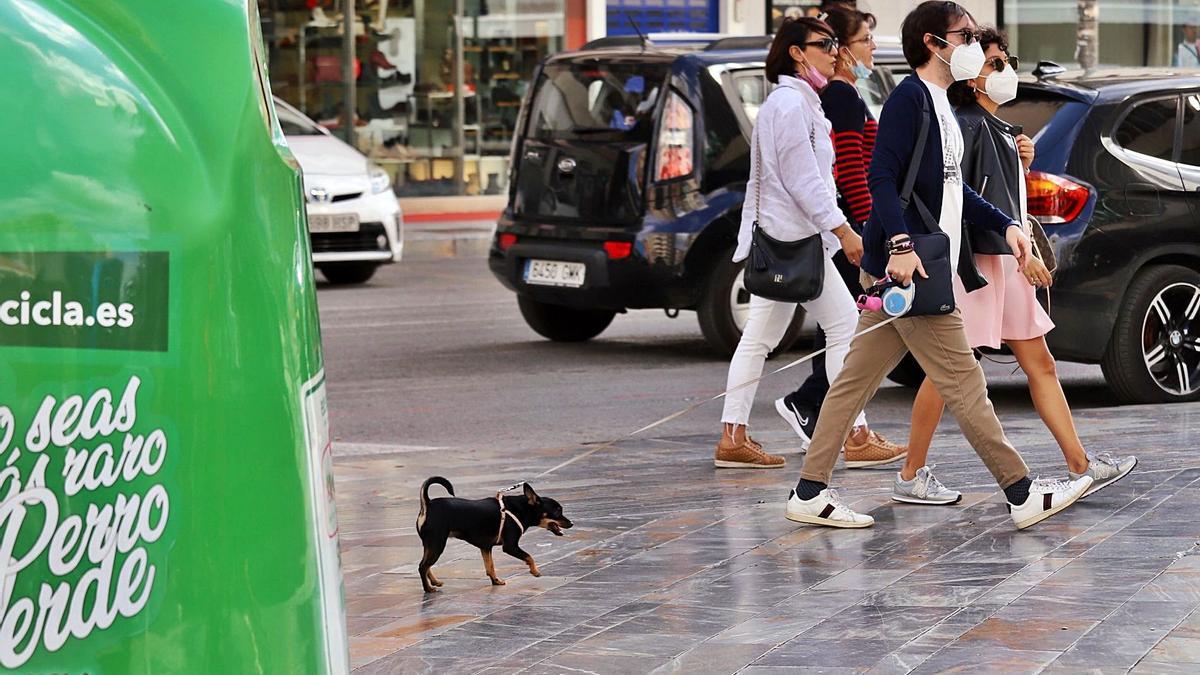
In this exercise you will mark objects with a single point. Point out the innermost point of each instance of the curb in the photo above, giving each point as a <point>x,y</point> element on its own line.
<point>464,241</point>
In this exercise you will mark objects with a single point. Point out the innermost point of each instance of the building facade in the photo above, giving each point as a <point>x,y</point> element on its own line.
<point>437,84</point>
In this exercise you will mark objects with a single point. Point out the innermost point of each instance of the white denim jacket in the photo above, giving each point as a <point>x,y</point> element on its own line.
<point>799,197</point>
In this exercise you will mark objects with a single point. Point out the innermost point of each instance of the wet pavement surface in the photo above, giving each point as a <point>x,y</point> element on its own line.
<point>674,566</point>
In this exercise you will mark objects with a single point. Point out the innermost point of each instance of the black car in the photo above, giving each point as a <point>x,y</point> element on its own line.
<point>629,167</point>
<point>1116,182</point>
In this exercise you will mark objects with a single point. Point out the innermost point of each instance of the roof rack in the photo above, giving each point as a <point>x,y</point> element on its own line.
<point>609,41</point>
<point>1046,69</point>
<point>741,42</point>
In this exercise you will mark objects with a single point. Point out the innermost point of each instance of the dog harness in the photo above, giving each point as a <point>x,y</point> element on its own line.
<point>506,514</point>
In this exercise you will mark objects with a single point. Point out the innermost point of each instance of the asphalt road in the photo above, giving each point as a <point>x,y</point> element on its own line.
<point>434,353</point>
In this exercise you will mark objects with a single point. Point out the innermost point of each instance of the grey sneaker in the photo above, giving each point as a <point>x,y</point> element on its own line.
<point>1105,470</point>
<point>924,489</point>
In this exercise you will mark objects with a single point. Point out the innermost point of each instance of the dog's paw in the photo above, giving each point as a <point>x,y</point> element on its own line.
<point>536,572</point>
<point>439,584</point>
<point>498,582</point>
<point>431,589</point>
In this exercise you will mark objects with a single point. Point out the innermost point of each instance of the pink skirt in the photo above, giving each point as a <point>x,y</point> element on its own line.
<point>1005,309</point>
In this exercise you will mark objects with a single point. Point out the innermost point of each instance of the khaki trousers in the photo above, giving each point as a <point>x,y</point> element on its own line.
<point>939,344</point>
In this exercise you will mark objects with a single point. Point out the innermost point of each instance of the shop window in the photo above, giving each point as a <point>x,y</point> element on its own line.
<point>410,116</point>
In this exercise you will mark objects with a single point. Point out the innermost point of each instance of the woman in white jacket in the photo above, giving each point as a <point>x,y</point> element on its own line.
<point>797,198</point>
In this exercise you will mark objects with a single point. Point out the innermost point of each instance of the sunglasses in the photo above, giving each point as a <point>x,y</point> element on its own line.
<point>968,36</point>
<point>997,63</point>
<point>829,45</point>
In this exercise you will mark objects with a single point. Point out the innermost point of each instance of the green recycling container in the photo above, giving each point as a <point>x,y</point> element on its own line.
<point>165,470</point>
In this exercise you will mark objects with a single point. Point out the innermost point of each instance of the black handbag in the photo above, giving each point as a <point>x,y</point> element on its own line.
<point>785,271</point>
<point>934,295</point>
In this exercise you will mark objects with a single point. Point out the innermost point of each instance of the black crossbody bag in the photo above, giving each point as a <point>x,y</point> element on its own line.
<point>786,271</point>
<point>934,295</point>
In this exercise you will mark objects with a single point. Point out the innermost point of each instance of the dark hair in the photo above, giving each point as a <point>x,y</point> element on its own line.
<point>827,5</point>
<point>932,16</point>
<point>792,32</point>
<point>961,92</point>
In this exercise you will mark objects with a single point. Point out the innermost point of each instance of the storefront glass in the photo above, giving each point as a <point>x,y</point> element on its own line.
<point>439,82</point>
<point>778,10</point>
<point>1104,32</point>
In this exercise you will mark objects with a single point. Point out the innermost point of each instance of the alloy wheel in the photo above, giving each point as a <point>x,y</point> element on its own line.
<point>1171,339</point>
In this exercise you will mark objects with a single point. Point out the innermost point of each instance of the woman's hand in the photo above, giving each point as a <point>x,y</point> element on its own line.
<point>1025,151</point>
<point>1037,274</point>
<point>1018,243</point>
<point>852,244</point>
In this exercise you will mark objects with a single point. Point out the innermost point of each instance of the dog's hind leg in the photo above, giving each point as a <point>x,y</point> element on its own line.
<point>514,549</point>
<point>433,547</point>
<point>490,567</point>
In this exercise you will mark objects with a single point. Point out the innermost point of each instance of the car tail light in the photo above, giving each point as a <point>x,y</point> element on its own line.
<point>618,249</point>
<point>675,139</point>
<point>1054,199</point>
<point>506,240</point>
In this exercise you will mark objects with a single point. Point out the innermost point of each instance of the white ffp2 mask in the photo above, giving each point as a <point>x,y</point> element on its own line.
<point>1001,86</point>
<point>966,61</point>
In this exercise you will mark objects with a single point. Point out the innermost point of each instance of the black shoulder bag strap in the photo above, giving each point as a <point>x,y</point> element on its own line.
<point>914,164</point>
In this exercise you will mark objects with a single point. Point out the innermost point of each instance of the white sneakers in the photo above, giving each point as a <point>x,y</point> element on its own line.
<point>1048,497</point>
<point>825,509</point>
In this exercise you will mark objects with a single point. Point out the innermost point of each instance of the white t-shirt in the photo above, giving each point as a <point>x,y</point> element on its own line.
<point>950,218</point>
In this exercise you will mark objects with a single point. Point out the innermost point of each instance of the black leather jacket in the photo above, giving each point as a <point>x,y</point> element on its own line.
<point>992,167</point>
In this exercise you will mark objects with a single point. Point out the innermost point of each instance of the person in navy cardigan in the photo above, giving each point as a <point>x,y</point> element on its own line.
<point>939,42</point>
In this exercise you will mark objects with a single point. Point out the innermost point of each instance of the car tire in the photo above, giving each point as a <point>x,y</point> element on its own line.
<point>723,308</point>
<point>1154,353</point>
<point>348,274</point>
<point>908,372</point>
<point>564,324</point>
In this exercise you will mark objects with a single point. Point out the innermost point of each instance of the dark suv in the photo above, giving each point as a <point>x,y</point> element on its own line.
<point>629,171</point>
<point>1116,182</point>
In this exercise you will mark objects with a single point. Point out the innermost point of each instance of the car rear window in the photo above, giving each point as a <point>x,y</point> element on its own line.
<point>576,100</point>
<point>1033,109</point>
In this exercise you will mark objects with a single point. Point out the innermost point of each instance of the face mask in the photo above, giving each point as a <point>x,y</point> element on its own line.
<point>1001,86</point>
<point>860,71</point>
<point>814,78</point>
<point>965,61</point>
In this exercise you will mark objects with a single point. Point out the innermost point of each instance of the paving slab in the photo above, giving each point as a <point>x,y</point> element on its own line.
<point>676,567</point>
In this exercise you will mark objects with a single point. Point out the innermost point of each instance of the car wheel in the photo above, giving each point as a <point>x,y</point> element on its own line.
<point>725,307</point>
<point>345,274</point>
<point>1154,353</point>
<point>908,372</point>
<point>564,324</point>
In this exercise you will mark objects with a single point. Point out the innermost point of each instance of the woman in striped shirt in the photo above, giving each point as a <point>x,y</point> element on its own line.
<point>853,141</point>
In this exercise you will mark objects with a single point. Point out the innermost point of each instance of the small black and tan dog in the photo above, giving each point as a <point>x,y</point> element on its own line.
<point>483,523</point>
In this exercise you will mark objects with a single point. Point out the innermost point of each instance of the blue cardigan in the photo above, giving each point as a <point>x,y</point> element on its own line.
<point>899,125</point>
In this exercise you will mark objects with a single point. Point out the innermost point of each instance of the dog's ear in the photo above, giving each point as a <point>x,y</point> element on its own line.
<point>531,495</point>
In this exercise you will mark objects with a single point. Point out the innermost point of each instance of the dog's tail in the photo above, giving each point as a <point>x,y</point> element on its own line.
<point>435,480</point>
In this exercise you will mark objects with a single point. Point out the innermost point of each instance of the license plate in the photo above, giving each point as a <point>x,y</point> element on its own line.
<point>334,222</point>
<point>554,273</point>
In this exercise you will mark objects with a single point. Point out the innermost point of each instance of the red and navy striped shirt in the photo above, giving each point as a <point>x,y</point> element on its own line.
<point>853,133</point>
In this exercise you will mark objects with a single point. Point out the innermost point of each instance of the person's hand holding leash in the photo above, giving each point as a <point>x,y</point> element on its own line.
<point>1018,243</point>
<point>852,244</point>
<point>903,263</point>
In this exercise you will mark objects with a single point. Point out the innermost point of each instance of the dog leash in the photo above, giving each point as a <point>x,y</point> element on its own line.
<point>676,415</point>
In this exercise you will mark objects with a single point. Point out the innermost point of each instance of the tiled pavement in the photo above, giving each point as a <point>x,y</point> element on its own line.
<point>676,567</point>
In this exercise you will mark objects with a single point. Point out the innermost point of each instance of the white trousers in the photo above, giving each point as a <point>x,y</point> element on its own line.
<point>834,310</point>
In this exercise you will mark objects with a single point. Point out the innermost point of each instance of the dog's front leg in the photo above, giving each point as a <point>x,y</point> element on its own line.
<point>514,549</point>
<point>490,567</point>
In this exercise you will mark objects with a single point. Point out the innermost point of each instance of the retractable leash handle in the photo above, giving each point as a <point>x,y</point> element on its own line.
<point>890,296</point>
